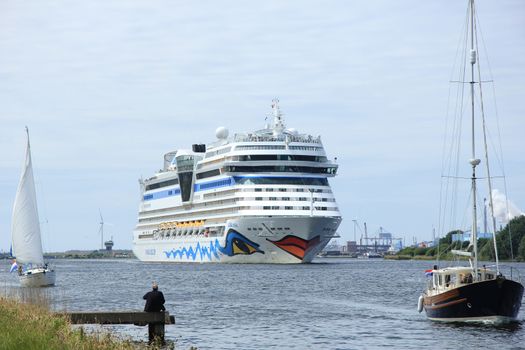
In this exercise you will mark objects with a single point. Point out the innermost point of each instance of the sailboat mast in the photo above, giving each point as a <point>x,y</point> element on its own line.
<point>473,161</point>
<point>489,178</point>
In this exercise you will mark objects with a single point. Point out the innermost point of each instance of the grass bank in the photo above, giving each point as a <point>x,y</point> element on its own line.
<point>30,326</point>
<point>398,257</point>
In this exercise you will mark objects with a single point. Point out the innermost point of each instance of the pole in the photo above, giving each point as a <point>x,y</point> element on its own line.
<point>474,162</point>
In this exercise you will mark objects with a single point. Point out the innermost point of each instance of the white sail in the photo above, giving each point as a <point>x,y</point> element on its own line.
<point>25,226</point>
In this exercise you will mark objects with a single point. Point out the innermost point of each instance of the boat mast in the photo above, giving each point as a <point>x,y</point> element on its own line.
<point>473,161</point>
<point>489,178</point>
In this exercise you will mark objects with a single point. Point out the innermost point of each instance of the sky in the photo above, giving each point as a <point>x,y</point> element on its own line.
<point>107,87</point>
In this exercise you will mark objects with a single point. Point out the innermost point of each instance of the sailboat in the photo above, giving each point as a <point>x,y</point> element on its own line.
<point>25,232</point>
<point>472,293</point>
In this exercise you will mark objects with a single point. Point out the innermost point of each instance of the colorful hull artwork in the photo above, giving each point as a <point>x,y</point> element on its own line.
<point>247,241</point>
<point>296,246</point>
<point>236,244</point>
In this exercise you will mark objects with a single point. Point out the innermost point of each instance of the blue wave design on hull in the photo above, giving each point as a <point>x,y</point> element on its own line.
<point>235,243</point>
<point>201,251</point>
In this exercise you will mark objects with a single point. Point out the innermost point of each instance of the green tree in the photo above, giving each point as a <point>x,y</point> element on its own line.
<point>512,233</point>
<point>420,251</point>
<point>521,249</point>
<point>406,251</point>
<point>431,251</point>
<point>486,250</point>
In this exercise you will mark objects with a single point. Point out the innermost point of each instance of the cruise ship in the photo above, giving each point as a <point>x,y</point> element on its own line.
<point>259,197</point>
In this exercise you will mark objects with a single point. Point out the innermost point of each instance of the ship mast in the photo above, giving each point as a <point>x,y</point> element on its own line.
<point>473,161</point>
<point>487,166</point>
<point>278,122</point>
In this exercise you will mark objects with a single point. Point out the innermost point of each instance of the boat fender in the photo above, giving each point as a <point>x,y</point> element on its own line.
<point>420,304</point>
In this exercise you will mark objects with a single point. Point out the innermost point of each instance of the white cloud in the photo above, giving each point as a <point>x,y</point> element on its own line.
<point>504,209</point>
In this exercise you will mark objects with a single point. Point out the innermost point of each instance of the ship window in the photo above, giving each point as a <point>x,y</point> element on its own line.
<point>273,198</point>
<point>447,280</point>
<point>258,198</point>
<point>289,157</point>
<point>210,173</point>
<point>280,181</point>
<point>239,148</point>
<point>218,183</point>
<point>465,278</point>
<point>280,168</point>
<point>306,148</point>
<point>186,184</point>
<point>185,163</point>
<point>266,207</point>
<point>162,184</point>
<point>275,208</point>
<point>453,280</point>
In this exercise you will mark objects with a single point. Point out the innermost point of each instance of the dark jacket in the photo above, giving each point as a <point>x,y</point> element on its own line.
<point>154,301</point>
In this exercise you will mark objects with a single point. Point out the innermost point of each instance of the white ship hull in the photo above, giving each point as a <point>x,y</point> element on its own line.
<point>279,240</point>
<point>38,277</point>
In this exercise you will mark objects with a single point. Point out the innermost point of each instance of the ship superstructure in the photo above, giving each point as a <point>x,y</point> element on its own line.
<point>260,197</point>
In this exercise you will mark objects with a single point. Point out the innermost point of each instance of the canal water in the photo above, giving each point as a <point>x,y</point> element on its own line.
<point>329,304</point>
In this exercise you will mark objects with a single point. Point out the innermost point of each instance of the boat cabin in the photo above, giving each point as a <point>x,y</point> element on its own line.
<point>453,277</point>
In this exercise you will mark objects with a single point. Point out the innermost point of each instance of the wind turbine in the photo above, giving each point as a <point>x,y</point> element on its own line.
<point>101,230</point>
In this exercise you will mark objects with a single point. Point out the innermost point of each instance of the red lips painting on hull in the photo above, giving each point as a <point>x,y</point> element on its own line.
<point>296,246</point>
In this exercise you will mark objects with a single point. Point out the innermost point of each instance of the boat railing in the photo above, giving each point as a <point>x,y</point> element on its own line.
<point>255,137</point>
<point>510,272</point>
<point>430,284</point>
<point>281,137</point>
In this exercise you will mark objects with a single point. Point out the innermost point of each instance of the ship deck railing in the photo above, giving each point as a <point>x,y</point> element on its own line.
<point>272,138</point>
<point>268,138</point>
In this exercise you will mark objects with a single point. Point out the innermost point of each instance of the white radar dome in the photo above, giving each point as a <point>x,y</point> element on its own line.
<point>221,133</point>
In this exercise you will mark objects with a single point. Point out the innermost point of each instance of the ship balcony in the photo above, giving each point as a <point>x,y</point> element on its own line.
<point>285,137</point>
<point>239,168</point>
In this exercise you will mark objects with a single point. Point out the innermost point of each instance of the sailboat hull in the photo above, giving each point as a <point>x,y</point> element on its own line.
<point>496,300</point>
<point>37,278</point>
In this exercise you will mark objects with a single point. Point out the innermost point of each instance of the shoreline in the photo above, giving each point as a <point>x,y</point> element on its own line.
<point>31,325</point>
